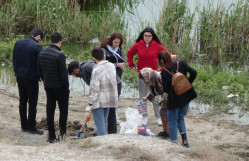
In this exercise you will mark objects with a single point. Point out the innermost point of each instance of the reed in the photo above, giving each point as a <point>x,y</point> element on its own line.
<point>223,33</point>
<point>62,16</point>
<point>175,27</point>
<point>220,33</point>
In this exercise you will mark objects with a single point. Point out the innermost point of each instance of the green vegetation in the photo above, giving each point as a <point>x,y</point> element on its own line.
<point>219,33</point>
<point>62,16</point>
<point>6,50</point>
<point>210,82</point>
<point>223,33</point>
<point>175,26</point>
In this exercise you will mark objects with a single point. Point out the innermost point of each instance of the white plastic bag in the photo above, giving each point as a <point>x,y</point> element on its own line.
<point>133,120</point>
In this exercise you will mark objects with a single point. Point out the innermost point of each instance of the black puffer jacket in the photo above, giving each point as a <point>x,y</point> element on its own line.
<point>52,68</point>
<point>175,101</point>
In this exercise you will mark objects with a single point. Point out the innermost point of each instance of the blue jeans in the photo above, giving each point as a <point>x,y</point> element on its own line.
<point>176,121</point>
<point>100,116</point>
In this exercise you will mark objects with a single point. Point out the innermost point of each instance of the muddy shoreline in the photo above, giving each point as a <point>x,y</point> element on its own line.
<point>210,138</point>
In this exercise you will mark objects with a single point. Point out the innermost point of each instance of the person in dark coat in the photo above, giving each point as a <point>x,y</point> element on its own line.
<point>53,71</point>
<point>177,105</point>
<point>25,59</point>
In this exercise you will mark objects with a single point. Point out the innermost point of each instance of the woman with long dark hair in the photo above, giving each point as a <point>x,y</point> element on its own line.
<point>147,47</point>
<point>177,105</point>
<point>114,53</point>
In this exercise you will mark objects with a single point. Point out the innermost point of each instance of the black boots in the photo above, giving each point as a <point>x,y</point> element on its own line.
<point>185,140</point>
<point>164,135</point>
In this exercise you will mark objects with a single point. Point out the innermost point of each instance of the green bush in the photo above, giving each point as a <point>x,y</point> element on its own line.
<point>6,52</point>
<point>209,83</point>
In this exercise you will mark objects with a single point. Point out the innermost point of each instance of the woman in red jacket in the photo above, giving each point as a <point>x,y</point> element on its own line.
<point>147,47</point>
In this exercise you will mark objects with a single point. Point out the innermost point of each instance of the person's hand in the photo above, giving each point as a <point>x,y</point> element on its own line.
<point>88,108</point>
<point>121,65</point>
<point>144,99</point>
<point>135,69</point>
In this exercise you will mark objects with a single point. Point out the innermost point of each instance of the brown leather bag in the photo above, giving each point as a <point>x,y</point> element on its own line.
<point>180,82</point>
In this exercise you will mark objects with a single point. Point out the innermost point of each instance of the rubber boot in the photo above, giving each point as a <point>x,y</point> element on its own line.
<point>185,140</point>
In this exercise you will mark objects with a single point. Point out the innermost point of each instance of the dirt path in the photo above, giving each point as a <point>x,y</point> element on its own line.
<point>209,139</point>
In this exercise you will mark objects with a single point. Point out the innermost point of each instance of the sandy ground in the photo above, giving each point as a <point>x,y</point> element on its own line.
<point>210,138</point>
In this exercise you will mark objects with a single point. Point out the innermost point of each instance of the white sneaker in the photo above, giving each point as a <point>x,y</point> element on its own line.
<point>159,122</point>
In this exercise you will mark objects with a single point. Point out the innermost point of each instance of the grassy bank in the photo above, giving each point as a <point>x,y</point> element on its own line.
<point>222,86</point>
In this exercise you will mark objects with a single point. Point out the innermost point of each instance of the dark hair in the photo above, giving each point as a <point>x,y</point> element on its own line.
<point>108,40</point>
<point>35,32</point>
<point>71,66</point>
<point>164,58</point>
<point>98,53</point>
<point>56,37</point>
<point>148,29</point>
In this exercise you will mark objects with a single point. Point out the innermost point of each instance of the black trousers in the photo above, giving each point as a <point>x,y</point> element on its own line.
<point>28,93</point>
<point>61,95</point>
<point>112,125</point>
<point>112,119</point>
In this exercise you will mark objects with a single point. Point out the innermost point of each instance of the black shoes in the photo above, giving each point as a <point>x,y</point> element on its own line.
<point>56,140</point>
<point>164,135</point>
<point>34,131</point>
<point>53,140</point>
<point>185,140</point>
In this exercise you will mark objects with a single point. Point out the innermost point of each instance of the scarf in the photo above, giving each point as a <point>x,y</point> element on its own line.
<point>149,76</point>
<point>114,52</point>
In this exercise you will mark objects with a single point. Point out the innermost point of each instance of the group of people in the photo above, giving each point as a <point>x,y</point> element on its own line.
<point>103,75</point>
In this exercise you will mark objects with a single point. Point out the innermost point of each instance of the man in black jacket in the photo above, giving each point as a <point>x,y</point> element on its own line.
<point>53,71</point>
<point>25,59</point>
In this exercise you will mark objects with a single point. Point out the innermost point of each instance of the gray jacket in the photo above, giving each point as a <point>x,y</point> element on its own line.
<point>86,68</point>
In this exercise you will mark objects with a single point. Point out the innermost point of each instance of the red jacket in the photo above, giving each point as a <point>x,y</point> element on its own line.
<point>147,56</point>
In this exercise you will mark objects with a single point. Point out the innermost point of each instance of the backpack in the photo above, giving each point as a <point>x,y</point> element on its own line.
<point>180,82</point>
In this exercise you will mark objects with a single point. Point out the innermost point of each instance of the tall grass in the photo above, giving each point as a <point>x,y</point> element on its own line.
<point>62,16</point>
<point>223,33</point>
<point>175,27</point>
<point>219,33</point>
